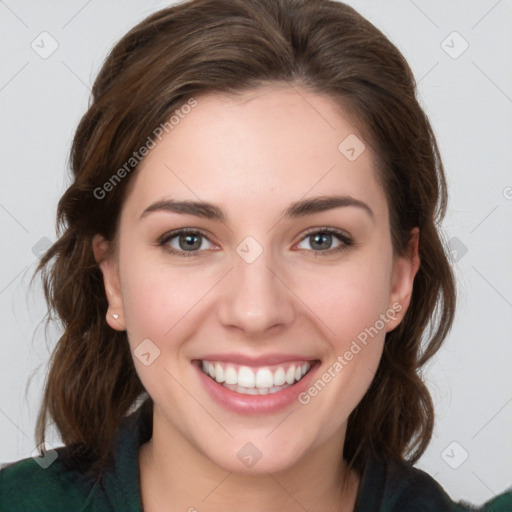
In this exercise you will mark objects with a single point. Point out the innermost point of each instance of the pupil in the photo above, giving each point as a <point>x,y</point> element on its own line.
<point>324,237</point>
<point>189,241</point>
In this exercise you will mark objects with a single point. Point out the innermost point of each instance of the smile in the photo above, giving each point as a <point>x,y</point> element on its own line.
<point>255,381</point>
<point>255,386</point>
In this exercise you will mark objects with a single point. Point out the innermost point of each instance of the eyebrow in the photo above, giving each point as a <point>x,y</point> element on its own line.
<point>295,210</point>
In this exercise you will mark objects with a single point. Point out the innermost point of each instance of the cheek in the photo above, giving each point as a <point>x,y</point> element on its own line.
<point>160,303</point>
<point>348,297</point>
<point>356,296</point>
<point>160,300</point>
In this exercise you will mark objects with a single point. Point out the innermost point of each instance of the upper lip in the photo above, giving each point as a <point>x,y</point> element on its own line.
<point>255,361</point>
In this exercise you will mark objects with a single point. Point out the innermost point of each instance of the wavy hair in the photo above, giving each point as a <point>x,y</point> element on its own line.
<point>231,46</point>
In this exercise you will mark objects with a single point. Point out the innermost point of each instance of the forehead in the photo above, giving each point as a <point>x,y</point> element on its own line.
<point>269,146</point>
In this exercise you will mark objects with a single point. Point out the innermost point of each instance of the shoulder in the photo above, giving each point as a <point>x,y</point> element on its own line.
<point>31,484</point>
<point>405,488</point>
<point>411,489</point>
<point>424,489</point>
<point>60,481</point>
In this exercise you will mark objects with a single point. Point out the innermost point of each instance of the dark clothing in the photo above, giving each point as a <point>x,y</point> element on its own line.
<point>386,485</point>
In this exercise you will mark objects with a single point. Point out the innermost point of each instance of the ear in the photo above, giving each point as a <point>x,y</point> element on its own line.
<point>405,268</point>
<point>108,266</point>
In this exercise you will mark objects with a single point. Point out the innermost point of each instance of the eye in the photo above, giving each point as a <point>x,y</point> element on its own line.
<point>184,242</point>
<point>189,242</point>
<point>321,241</point>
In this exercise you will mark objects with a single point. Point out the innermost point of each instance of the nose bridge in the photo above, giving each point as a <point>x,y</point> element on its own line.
<point>256,298</point>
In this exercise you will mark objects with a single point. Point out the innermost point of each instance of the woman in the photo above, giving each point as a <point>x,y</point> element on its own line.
<point>248,263</point>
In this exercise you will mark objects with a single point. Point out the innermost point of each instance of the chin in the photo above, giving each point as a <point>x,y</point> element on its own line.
<point>259,456</point>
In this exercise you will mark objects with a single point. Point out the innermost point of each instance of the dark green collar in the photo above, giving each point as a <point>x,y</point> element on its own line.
<point>387,485</point>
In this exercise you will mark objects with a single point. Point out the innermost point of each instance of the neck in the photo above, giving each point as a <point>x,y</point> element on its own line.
<point>175,474</point>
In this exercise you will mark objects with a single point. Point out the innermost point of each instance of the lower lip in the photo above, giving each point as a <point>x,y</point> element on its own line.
<point>255,404</point>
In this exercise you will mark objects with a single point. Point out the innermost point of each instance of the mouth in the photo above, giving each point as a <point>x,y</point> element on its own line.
<point>255,381</point>
<point>252,389</point>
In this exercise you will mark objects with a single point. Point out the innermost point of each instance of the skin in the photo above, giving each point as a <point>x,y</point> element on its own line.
<point>253,156</point>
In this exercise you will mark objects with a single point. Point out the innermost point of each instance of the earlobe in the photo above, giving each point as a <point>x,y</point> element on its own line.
<point>405,268</point>
<point>108,266</point>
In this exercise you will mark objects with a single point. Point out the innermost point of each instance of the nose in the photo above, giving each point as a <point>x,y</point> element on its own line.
<point>255,297</point>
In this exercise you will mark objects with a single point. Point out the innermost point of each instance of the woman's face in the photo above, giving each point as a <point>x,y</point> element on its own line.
<point>244,294</point>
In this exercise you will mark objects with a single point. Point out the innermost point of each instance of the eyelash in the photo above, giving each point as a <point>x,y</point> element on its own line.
<point>347,242</point>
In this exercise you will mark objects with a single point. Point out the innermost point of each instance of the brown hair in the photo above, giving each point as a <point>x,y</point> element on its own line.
<point>231,46</point>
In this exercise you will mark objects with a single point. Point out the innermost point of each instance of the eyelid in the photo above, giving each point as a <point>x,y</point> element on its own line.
<point>344,237</point>
<point>325,229</point>
<point>164,239</point>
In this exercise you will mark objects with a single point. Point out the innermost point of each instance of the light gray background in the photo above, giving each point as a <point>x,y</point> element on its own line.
<point>469,102</point>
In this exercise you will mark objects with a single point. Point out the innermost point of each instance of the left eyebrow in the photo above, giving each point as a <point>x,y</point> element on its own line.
<point>324,203</point>
<point>295,210</point>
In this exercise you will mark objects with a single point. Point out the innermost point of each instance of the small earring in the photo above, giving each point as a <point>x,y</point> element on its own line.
<point>115,316</point>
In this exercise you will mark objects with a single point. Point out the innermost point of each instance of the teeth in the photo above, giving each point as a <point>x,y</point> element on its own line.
<point>279,377</point>
<point>219,373</point>
<point>264,378</point>
<point>254,382</point>
<point>230,375</point>
<point>246,377</point>
<point>255,391</point>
